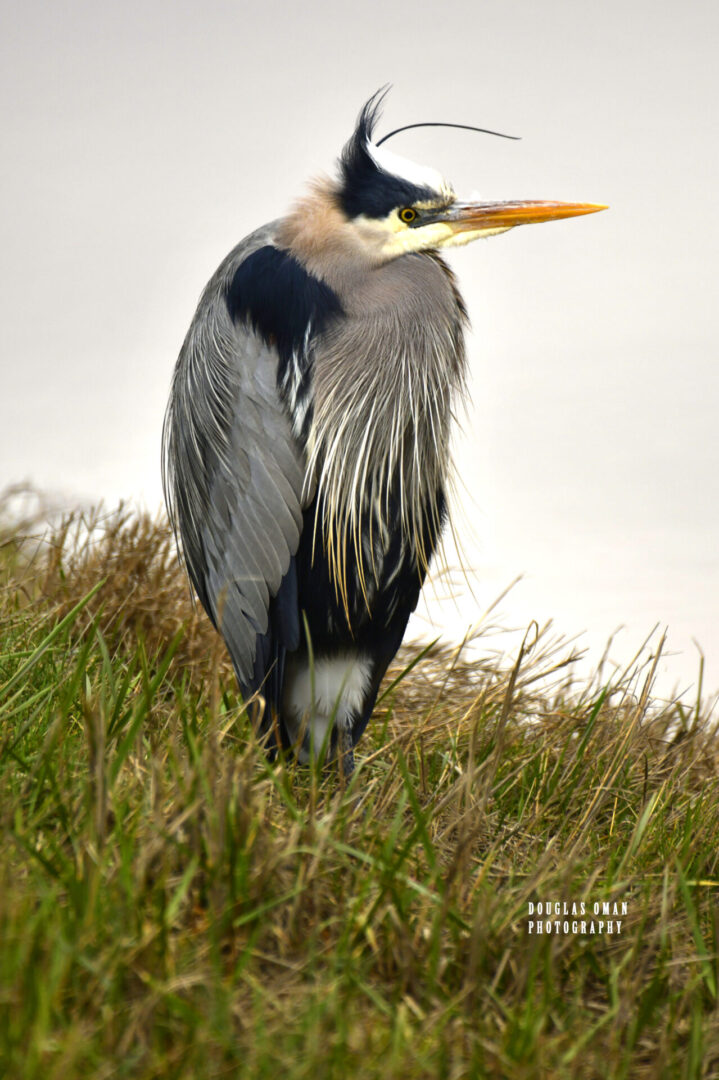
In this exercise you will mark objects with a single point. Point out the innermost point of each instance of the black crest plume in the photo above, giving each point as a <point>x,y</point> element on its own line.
<point>365,187</point>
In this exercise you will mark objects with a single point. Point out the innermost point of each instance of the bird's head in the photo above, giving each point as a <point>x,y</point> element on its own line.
<point>395,206</point>
<point>381,206</point>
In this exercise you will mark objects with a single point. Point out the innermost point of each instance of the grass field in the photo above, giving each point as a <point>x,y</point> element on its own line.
<point>172,906</point>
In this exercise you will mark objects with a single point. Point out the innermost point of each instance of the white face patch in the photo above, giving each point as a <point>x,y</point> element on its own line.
<point>389,237</point>
<point>422,238</point>
<point>423,175</point>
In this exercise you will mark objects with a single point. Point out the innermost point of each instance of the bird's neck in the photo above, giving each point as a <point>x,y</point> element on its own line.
<point>318,235</point>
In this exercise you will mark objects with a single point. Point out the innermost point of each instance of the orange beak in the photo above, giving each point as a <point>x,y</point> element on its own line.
<point>475,217</point>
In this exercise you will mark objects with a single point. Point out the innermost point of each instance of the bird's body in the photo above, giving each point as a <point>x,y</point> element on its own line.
<point>306,440</point>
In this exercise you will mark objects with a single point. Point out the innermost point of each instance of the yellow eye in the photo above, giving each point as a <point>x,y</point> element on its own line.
<point>407,215</point>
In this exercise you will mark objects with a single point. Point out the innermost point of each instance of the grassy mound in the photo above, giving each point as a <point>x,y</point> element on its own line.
<point>172,906</point>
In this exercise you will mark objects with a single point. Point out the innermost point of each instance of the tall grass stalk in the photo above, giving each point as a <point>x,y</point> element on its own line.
<point>172,905</point>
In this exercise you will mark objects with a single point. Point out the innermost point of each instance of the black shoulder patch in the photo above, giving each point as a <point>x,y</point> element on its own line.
<point>273,292</point>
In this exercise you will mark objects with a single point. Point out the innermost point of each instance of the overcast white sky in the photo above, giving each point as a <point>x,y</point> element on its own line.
<point>142,140</point>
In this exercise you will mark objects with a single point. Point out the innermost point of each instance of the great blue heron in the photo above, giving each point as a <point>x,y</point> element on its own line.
<point>306,436</point>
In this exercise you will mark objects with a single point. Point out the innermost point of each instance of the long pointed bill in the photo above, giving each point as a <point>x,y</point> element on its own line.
<point>478,217</point>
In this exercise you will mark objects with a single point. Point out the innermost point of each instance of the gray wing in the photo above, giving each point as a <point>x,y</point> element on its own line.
<point>233,472</point>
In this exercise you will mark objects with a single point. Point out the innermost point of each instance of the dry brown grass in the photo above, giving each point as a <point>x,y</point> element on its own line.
<point>207,915</point>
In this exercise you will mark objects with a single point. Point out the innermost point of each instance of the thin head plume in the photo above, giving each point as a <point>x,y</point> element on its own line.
<point>370,114</point>
<point>439,123</point>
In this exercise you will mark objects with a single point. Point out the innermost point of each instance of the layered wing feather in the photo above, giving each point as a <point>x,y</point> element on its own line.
<point>234,460</point>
